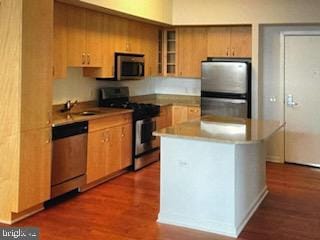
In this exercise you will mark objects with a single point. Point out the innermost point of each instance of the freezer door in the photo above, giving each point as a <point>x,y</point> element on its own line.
<point>224,107</point>
<point>226,77</point>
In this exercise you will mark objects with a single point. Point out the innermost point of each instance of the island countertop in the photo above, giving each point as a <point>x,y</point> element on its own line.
<point>223,129</point>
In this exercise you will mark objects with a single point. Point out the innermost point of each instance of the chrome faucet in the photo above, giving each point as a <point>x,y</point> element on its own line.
<point>68,106</point>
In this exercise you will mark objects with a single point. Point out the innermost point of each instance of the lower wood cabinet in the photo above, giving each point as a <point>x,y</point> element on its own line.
<point>165,117</point>
<point>194,113</point>
<point>184,113</point>
<point>109,150</point>
<point>35,168</point>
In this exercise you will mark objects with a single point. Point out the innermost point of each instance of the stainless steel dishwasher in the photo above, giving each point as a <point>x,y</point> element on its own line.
<point>69,157</point>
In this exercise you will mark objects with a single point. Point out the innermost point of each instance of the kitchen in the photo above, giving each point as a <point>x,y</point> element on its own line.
<point>26,126</point>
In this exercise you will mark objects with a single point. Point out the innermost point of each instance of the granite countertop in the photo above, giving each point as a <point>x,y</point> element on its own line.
<point>60,118</point>
<point>158,99</point>
<point>223,129</point>
<point>168,99</point>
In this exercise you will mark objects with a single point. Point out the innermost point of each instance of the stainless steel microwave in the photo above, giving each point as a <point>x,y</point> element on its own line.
<point>129,66</point>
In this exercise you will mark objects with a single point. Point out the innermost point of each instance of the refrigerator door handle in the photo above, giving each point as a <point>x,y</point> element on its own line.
<point>227,100</point>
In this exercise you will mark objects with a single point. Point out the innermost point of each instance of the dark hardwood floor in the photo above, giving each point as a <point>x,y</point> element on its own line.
<point>127,208</point>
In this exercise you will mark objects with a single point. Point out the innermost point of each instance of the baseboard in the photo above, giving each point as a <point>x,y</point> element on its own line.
<point>183,221</point>
<point>103,180</point>
<point>273,158</point>
<point>252,210</point>
<point>16,217</point>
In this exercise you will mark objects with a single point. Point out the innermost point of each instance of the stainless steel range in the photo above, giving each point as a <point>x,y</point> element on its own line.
<point>146,146</point>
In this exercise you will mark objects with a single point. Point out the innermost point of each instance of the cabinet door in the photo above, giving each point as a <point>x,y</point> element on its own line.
<point>118,32</point>
<point>150,48</point>
<point>97,154</point>
<point>218,42</point>
<point>179,114</point>
<point>36,70</point>
<point>113,162</point>
<point>192,43</point>
<point>60,41</point>
<point>35,179</point>
<point>126,146</point>
<point>194,113</point>
<point>94,21</point>
<point>135,36</point>
<point>76,36</point>
<point>241,41</point>
<point>112,40</point>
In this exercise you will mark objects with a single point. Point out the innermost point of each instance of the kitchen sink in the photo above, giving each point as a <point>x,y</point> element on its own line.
<point>88,113</point>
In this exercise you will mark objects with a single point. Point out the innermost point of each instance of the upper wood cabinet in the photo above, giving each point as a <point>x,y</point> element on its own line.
<point>60,41</point>
<point>84,37</point>
<point>192,49</point>
<point>240,42</point>
<point>229,41</point>
<point>150,48</point>
<point>122,35</point>
<point>170,52</point>
<point>114,39</point>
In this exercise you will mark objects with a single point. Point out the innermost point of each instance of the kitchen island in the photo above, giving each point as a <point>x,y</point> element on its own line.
<point>213,172</point>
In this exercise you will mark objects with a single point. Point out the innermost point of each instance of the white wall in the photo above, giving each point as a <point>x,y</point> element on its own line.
<point>75,86</point>
<point>272,84</point>
<point>203,12</point>
<point>156,10</point>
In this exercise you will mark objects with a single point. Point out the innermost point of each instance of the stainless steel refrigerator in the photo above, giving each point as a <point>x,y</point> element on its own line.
<point>226,87</point>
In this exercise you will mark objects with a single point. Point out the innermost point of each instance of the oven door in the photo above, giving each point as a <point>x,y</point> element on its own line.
<point>130,67</point>
<point>145,141</point>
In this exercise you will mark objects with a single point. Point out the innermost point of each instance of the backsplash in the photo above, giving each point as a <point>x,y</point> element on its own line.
<point>77,87</point>
<point>178,86</point>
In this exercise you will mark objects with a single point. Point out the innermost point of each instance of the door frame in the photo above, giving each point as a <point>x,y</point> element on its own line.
<point>283,35</point>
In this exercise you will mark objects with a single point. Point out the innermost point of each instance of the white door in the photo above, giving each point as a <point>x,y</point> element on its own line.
<point>302,104</point>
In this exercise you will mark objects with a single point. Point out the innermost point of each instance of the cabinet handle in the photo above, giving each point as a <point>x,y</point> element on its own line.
<point>88,59</point>
<point>48,141</point>
<point>232,51</point>
<point>227,52</point>
<point>83,58</point>
<point>49,118</point>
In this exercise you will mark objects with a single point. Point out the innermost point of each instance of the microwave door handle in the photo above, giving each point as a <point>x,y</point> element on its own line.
<point>140,70</point>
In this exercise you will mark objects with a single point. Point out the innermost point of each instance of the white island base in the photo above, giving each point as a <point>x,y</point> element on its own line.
<point>211,186</point>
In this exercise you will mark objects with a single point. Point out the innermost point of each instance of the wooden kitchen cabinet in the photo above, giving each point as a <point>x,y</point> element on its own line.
<point>192,45</point>
<point>126,146</point>
<point>165,117</point>
<point>241,42</point>
<point>179,114</point>
<point>115,39</point>
<point>35,177</point>
<point>229,41</point>
<point>122,35</point>
<point>84,33</point>
<point>184,113</point>
<point>169,52</point>
<point>194,113</point>
<point>60,41</point>
<point>26,80</point>
<point>150,49</point>
<point>97,155</point>
<point>109,147</point>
